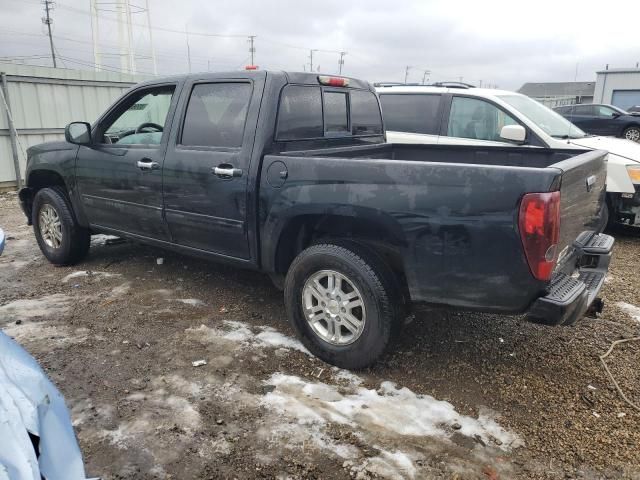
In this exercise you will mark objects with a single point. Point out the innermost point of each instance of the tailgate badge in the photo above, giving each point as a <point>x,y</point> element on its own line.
<point>591,181</point>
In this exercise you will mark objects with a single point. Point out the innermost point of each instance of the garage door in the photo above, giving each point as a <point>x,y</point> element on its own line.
<point>625,98</point>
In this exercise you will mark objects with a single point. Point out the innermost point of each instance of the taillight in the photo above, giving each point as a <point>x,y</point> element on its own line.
<point>333,81</point>
<point>539,223</point>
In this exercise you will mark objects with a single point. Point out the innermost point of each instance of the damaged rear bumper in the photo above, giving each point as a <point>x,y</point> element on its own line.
<point>570,297</point>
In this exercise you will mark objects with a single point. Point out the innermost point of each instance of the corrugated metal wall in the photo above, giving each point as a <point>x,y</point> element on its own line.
<point>44,100</point>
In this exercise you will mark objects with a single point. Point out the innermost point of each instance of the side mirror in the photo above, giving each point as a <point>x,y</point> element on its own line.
<point>78,133</point>
<point>615,114</point>
<point>514,133</point>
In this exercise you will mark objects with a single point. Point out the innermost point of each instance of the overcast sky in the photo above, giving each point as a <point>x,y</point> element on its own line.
<point>506,43</point>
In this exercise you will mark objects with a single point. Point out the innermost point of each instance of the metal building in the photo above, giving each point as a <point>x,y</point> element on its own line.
<point>43,101</point>
<point>619,87</point>
<point>556,94</point>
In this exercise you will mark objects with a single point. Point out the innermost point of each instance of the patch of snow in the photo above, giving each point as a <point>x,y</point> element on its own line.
<point>121,289</point>
<point>631,310</point>
<point>389,409</point>
<point>242,333</point>
<point>24,309</point>
<point>101,239</point>
<point>392,465</point>
<point>272,338</point>
<point>88,273</point>
<point>346,376</point>
<point>194,302</point>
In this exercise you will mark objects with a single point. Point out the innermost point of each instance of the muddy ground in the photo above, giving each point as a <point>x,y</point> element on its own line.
<point>459,395</point>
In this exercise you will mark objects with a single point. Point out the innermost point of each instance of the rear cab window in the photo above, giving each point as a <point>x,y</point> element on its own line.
<point>308,112</point>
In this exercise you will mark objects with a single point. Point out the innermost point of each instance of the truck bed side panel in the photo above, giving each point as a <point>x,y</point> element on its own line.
<point>455,224</point>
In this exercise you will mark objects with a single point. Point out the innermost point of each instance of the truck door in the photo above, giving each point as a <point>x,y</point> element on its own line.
<point>206,171</point>
<point>120,175</point>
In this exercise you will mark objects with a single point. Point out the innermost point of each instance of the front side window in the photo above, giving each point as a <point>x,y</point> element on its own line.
<point>216,115</point>
<point>141,119</point>
<point>412,113</point>
<point>604,112</point>
<point>336,118</point>
<point>476,119</point>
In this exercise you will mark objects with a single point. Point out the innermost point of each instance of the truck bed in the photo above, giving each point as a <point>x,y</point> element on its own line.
<point>452,211</point>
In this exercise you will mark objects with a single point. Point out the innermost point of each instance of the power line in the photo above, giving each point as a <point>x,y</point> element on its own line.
<point>47,20</point>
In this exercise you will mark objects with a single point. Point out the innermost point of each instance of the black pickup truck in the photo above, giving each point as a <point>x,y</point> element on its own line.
<point>288,173</point>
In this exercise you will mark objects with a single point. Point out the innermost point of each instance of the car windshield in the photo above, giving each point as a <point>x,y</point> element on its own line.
<point>619,110</point>
<point>551,122</point>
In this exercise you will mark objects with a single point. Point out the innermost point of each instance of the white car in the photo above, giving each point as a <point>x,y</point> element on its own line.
<point>460,114</point>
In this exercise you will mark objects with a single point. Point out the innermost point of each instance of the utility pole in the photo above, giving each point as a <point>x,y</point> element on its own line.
<point>252,48</point>
<point>47,20</point>
<point>186,32</point>
<point>424,76</point>
<point>311,59</point>
<point>153,50</point>
<point>406,73</point>
<point>341,62</point>
<point>132,58</point>
<point>95,34</point>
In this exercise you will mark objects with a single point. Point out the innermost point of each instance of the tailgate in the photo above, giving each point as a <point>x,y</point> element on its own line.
<point>582,197</point>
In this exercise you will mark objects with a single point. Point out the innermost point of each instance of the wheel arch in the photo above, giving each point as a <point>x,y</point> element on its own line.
<point>371,229</point>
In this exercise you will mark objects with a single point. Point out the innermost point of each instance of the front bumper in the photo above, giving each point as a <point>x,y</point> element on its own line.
<point>569,297</point>
<point>26,201</point>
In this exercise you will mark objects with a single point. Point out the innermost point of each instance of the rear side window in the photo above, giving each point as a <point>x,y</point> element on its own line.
<point>365,113</point>
<point>300,113</point>
<point>336,118</point>
<point>413,113</point>
<point>216,115</point>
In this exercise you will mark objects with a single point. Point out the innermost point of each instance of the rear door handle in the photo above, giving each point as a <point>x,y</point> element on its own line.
<point>147,164</point>
<point>226,171</point>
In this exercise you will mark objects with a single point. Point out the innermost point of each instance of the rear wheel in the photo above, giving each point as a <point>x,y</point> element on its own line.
<point>341,301</point>
<point>60,238</point>
<point>632,133</point>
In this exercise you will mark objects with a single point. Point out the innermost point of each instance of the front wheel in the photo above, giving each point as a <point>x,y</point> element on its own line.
<point>341,301</point>
<point>632,133</point>
<point>60,238</point>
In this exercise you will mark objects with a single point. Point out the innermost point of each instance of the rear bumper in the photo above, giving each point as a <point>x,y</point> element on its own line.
<point>569,297</point>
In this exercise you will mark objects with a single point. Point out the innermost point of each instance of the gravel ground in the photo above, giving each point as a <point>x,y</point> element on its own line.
<point>459,395</point>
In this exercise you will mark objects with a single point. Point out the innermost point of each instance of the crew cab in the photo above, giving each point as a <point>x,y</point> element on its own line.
<point>289,174</point>
<point>453,113</point>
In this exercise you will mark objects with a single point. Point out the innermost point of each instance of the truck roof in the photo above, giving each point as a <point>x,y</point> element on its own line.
<point>305,78</point>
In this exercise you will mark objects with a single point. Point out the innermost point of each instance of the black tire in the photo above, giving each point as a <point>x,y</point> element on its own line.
<point>376,284</point>
<point>75,241</point>
<point>632,133</point>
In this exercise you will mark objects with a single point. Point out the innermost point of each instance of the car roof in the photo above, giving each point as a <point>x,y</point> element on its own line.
<point>472,91</point>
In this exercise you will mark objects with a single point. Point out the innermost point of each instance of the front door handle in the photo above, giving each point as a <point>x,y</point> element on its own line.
<point>226,171</point>
<point>147,164</point>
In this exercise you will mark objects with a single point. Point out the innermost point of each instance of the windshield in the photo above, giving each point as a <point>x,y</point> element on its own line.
<point>552,123</point>
<point>618,109</point>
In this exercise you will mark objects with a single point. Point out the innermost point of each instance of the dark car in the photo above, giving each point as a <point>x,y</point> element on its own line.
<point>289,174</point>
<point>600,119</point>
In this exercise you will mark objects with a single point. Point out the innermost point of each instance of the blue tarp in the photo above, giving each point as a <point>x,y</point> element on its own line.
<point>29,403</point>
